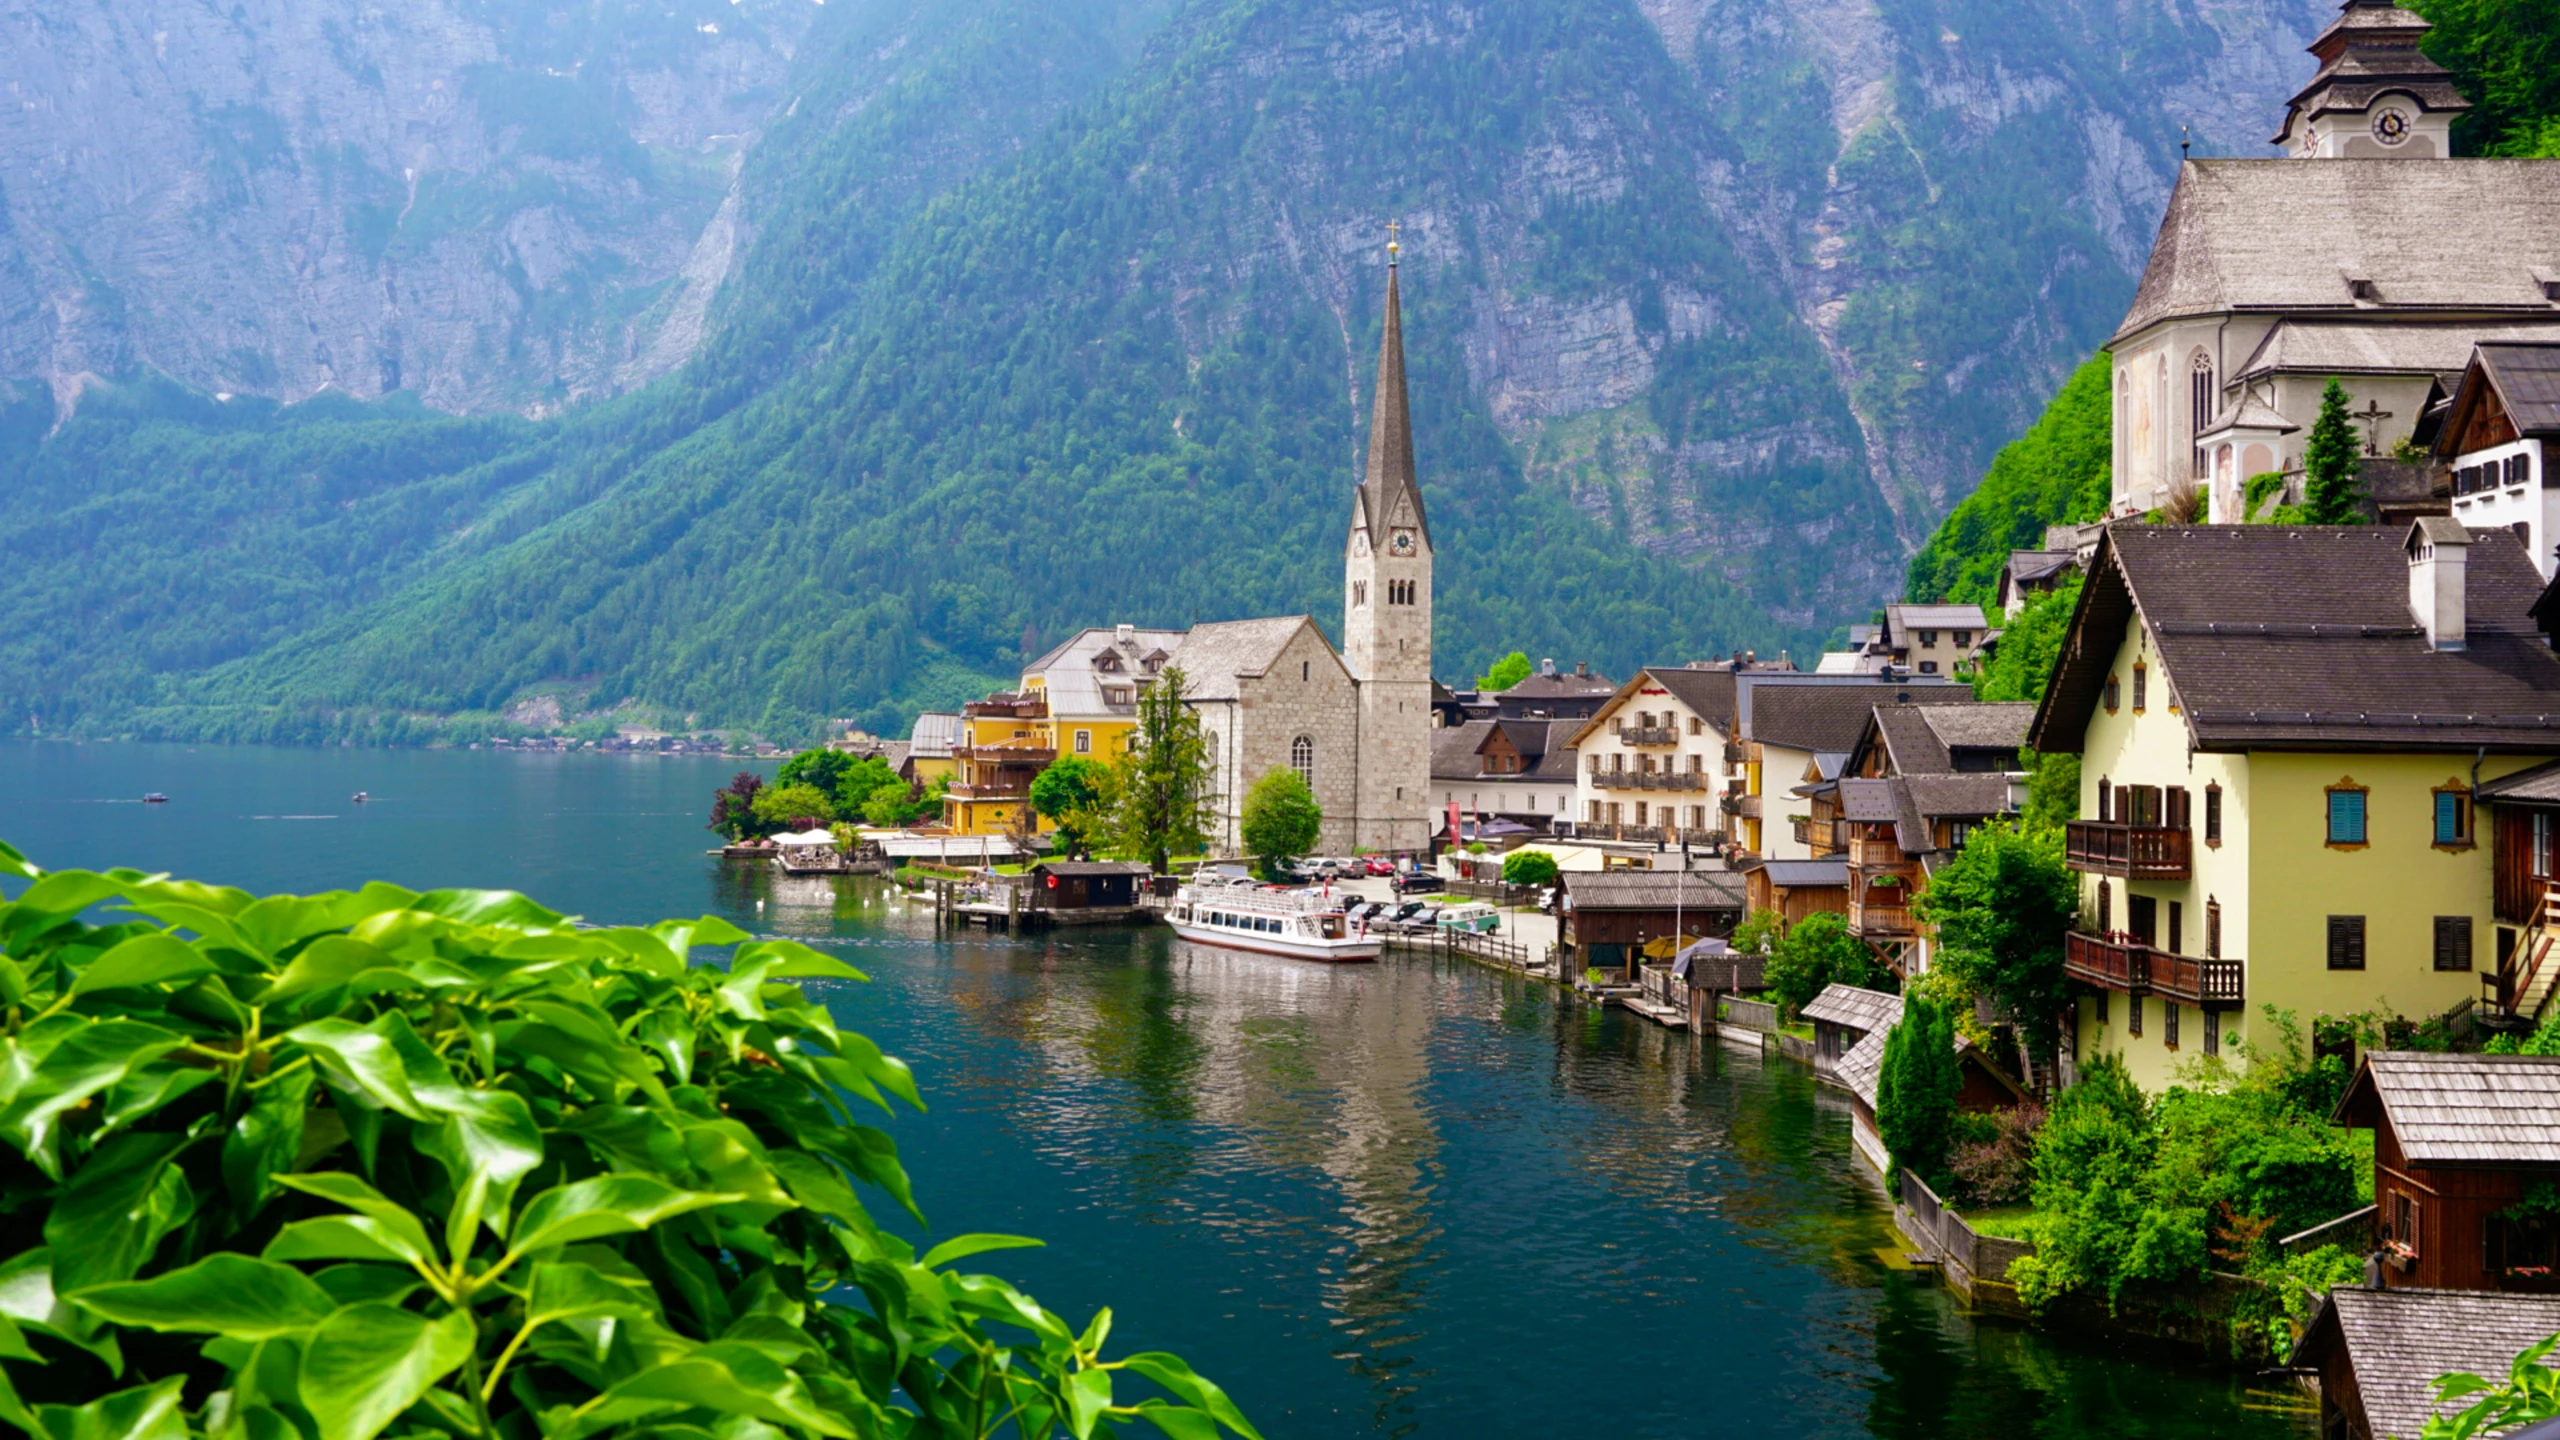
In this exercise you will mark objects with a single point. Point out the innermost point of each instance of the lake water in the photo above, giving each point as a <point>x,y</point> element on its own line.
<point>1405,1199</point>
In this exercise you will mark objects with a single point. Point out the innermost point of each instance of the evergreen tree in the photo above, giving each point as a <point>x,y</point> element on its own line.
<point>1160,787</point>
<point>2331,492</point>
<point>1916,1091</point>
<point>1281,820</point>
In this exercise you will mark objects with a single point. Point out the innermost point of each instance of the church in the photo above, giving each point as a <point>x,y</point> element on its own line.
<point>1356,723</point>
<point>2367,254</point>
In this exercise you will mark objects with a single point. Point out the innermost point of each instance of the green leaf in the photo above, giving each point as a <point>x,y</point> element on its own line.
<point>961,1247</point>
<point>329,962</point>
<point>145,1093</point>
<point>486,1141</point>
<point>87,1061</point>
<point>266,1142</point>
<point>379,1230</point>
<point>360,1061</point>
<point>223,1294</point>
<point>1171,1372</point>
<point>150,1413</point>
<point>144,960</point>
<point>1088,1395</point>
<point>55,896</point>
<point>792,960</point>
<point>367,1364</point>
<point>1178,1422</point>
<point>488,907</point>
<point>115,1209</point>
<point>14,863</point>
<point>27,1300</point>
<point>357,1284</point>
<point>723,1378</point>
<point>605,1205</point>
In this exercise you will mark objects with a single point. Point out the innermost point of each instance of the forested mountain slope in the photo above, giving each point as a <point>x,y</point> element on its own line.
<point>1041,319</point>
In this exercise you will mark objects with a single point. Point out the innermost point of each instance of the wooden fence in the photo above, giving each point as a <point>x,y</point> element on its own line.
<point>1751,1015</point>
<point>1967,1257</point>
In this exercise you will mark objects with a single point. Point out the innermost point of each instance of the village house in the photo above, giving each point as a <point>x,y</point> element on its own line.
<point>2282,732</point>
<point>1617,919</point>
<point>2460,1144</point>
<point>2503,414</point>
<point>1783,722</point>
<point>2377,1353</point>
<point>1002,748</point>
<point>1517,770</point>
<point>1794,889</point>
<point>1933,639</point>
<point>930,742</point>
<point>1654,757</point>
<point>1091,683</point>
<point>2271,277</point>
<point>1548,694</point>
<point>1919,781</point>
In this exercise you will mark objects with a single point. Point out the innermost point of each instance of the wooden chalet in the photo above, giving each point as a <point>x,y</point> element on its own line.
<point>2377,1353</point>
<point>1612,917</point>
<point>1086,892</point>
<point>2524,891</point>
<point>2459,1141</point>
<point>1797,888</point>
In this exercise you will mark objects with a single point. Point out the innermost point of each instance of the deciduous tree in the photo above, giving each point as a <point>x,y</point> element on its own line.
<point>1508,671</point>
<point>1818,951</point>
<point>1069,795</point>
<point>733,807</point>
<point>2000,909</point>
<point>1281,820</point>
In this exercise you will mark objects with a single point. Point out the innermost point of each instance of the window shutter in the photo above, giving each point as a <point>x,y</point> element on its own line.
<point>2213,815</point>
<point>2177,807</point>
<point>2346,942</point>
<point>2453,942</point>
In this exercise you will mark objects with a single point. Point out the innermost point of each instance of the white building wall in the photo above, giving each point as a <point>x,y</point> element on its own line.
<point>2530,502</point>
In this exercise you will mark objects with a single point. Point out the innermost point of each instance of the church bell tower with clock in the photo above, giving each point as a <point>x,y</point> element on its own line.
<point>1386,610</point>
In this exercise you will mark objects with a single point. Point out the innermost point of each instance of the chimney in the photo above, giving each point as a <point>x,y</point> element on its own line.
<point>1581,669</point>
<point>1128,634</point>
<point>2439,559</point>
<point>1546,667</point>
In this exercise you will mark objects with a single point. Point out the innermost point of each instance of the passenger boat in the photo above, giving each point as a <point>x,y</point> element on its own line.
<point>1300,924</point>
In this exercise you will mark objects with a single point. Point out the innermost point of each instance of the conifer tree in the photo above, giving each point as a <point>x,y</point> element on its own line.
<point>1159,790</point>
<point>2331,493</point>
<point>1916,1091</point>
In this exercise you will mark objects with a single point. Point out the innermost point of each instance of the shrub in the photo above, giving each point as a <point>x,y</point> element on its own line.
<point>794,805</point>
<point>1529,867</point>
<point>448,1164</point>
<point>1818,951</point>
<point>1281,820</point>
<point>1994,1159</point>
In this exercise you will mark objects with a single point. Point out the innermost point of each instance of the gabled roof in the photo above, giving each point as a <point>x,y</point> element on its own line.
<point>1960,797</point>
<point>2301,637</point>
<point>1898,618</point>
<point>1831,715</point>
<point>2539,785</point>
<point>2399,1341</point>
<point>1982,725</point>
<point>2460,1110</point>
<point>1213,658</point>
<point>1652,890</point>
<point>2526,381</point>
<point>2323,346</point>
<point>2026,567</point>
<point>1069,675</point>
<point>935,732</point>
<point>2284,235</point>
<point>1707,691</point>
<point>1858,1009</point>
<point>1457,751</point>
<point>1803,874</point>
<point>1560,685</point>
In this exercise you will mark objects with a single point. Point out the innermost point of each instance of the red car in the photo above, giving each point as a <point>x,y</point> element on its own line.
<point>1380,865</point>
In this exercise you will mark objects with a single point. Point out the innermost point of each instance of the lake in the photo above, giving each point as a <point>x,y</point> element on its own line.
<point>1409,1199</point>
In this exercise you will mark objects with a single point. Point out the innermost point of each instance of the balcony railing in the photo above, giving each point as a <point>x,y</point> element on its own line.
<point>991,791</point>
<point>1645,780</point>
<point>1881,922</point>
<point>1005,755</point>
<point>2124,964</point>
<point>2135,852</point>
<point>1648,735</point>
<point>1869,854</point>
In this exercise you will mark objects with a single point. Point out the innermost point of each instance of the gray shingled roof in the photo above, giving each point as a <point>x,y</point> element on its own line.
<point>2399,1341</point>
<point>1998,725</point>
<point>1213,657</point>
<point>1453,750</point>
<point>1716,965</point>
<point>1831,715</point>
<point>2323,346</point>
<point>2539,784</point>
<point>2284,235</point>
<point>1561,685</point>
<point>2026,567</point>
<point>1898,618</point>
<point>933,735</point>
<point>1866,800</point>
<point>1858,1009</point>
<point>1958,796</point>
<point>1652,890</point>
<point>2301,637</point>
<point>2462,1109</point>
<point>1799,874</point>
<point>2527,378</point>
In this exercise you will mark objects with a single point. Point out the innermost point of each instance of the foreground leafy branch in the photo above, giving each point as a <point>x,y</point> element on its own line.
<point>386,1163</point>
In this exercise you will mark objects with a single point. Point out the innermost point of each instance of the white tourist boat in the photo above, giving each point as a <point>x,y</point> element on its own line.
<point>1301,924</point>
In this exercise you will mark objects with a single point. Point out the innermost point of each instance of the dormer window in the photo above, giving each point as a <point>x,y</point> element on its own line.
<point>1106,661</point>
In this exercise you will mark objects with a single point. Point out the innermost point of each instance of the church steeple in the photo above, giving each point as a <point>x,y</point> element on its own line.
<point>2376,96</point>
<point>1390,476</point>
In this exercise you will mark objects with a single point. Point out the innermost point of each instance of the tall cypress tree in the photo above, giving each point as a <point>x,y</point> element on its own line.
<point>2331,493</point>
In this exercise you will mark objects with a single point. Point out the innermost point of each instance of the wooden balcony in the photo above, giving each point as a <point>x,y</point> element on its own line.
<point>1643,780</point>
<point>2134,852</point>
<point>1026,756</point>
<point>1648,735</point>
<point>1881,922</point>
<point>2125,965</point>
<point>1869,854</point>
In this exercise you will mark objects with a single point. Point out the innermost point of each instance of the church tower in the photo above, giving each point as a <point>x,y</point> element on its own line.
<point>2376,97</point>
<point>1386,610</point>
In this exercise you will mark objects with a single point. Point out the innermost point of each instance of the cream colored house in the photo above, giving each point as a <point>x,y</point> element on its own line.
<point>2281,733</point>
<point>1653,765</point>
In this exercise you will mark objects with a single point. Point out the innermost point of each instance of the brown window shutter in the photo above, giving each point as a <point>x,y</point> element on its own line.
<point>2453,942</point>
<point>2346,942</point>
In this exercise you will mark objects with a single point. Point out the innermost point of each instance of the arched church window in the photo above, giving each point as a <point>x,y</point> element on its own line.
<point>2200,404</point>
<point>1302,758</point>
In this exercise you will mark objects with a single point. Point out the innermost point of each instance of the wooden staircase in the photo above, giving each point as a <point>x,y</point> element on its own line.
<point>2525,986</point>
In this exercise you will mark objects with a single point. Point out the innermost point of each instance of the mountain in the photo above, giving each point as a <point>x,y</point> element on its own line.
<point>1029,319</point>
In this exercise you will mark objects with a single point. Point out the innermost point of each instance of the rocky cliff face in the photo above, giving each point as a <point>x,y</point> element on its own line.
<point>498,206</point>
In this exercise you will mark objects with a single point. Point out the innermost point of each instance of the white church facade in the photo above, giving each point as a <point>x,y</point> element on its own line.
<point>1273,693</point>
<point>2369,255</point>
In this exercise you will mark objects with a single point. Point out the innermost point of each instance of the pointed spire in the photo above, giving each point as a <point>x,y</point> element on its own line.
<point>1390,470</point>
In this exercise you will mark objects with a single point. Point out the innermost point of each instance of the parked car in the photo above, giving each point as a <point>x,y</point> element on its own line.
<point>1415,880</point>
<point>1380,865</point>
<point>1405,912</point>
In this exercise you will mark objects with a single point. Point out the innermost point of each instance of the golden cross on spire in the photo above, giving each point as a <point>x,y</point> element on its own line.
<point>1394,229</point>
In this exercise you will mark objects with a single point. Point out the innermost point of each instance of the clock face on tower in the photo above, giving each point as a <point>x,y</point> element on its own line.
<point>2391,125</point>
<point>1403,542</point>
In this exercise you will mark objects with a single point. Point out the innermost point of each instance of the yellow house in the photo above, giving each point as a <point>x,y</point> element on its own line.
<point>1002,747</point>
<point>2281,732</point>
<point>1091,684</point>
<point>929,747</point>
